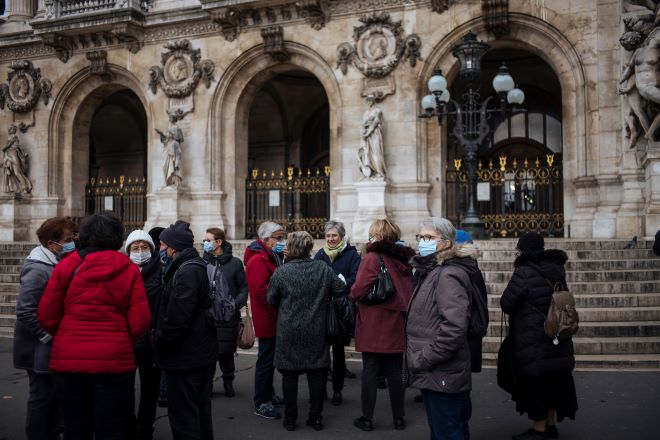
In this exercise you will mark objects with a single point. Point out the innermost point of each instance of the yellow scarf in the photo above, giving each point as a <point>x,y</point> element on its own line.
<point>333,252</point>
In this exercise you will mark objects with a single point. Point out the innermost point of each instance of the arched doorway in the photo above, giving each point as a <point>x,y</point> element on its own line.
<point>520,164</point>
<point>288,154</point>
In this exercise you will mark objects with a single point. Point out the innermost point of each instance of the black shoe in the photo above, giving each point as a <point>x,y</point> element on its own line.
<point>399,423</point>
<point>551,431</point>
<point>349,374</point>
<point>289,425</point>
<point>229,388</point>
<point>277,400</point>
<point>382,384</point>
<point>162,402</point>
<point>530,434</point>
<point>337,398</point>
<point>419,398</point>
<point>316,424</point>
<point>363,423</point>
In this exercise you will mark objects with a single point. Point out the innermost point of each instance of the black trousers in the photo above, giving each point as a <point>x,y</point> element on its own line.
<point>149,389</point>
<point>93,404</point>
<point>42,421</point>
<point>315,381</point>
<point>338,367</point>
<point>227,366</point>
<point>264,371</point>
<point>189,404</point>
<point>389,365</point>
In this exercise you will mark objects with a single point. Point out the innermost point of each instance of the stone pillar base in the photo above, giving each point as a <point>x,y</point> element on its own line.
<point>14,217</point>
<point>651,164</point>
<point>166,206</point>
<point>206,212</point>
<point>370,206</point>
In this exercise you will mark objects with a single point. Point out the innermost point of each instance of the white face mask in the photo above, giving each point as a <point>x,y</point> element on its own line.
<point>140,258</point>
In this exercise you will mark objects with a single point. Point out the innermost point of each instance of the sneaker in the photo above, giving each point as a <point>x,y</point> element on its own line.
<point>267,411</point>
<point>551,431</point>
<point>399,424</point>
<point>363,423</point>
<point>277,400</point>
<point>530,434</point>
<point>316,424</point>
<point>337,398</point>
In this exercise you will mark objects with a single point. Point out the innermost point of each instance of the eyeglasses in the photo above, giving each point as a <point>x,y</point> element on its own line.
<point>279,239</point>
<point>140,248</point>
<point>426,238</point>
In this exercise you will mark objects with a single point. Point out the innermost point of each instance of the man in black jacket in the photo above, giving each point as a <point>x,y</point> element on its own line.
<point>186,346</point>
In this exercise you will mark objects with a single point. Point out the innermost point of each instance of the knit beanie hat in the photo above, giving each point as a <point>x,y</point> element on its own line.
<point>154,233</point>
<point>531,242</point>
<point>178,236</point>
<point>138,235</point>
<point>463,237</point>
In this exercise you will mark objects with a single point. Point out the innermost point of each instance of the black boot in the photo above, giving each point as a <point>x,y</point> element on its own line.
<point>229,388</point>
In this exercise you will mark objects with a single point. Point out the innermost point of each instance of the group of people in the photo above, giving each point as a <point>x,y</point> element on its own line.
<point>88,316</point>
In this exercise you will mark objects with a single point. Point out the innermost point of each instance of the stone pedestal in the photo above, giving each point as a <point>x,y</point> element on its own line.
<point>14,217</point>
<point>206,212</point>
<point>371,202</point>
<point>166,206</point>
<point>629,222</point>
<point>651,165</point>
<point>581,224</point>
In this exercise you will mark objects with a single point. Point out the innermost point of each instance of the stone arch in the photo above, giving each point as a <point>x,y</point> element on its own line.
<point>68,132</point>
<point>228,121</point>
<point>540,38</point>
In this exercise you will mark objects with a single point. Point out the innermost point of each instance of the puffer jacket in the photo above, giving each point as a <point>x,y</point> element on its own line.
<point>526,300</point>
<point>437,349</point>
<point>97,320</point>
<point>152,275</point>
<point>260,264</point>
<point>31,342</point>
<point>232,269</point>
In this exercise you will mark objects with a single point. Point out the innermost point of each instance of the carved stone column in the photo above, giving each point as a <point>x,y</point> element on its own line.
<point>651,165</point>
<point>41,9</point>
<point>20,10</point>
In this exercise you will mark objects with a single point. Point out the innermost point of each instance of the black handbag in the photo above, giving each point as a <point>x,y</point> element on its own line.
<point>346,310</point>
<point>383,289</point>
<point>506,378</point>
<point>335,330</point>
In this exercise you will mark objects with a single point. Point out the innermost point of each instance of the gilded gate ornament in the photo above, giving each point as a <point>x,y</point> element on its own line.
<point>24,87</point>
<point>181,70</point>
<point>379,46</point>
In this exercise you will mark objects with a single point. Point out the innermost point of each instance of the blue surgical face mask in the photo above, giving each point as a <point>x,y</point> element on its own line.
<point>67,247</point>
<point>279,247</point>
<point>427,247</point>
<point>208,247</point>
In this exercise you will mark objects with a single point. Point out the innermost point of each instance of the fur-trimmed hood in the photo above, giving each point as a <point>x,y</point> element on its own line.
<point>399,252</point>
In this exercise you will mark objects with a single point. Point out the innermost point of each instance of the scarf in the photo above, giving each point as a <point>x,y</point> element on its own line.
<point>333,252</point>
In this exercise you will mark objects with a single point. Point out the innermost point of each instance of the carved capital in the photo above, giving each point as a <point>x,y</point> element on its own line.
<point>496,14</point>
<point>99,64</point>
<point>274,43</point>
<point>315,11</point>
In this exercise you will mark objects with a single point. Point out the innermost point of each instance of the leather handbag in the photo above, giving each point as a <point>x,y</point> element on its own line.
<point>334,328</point>
<point>245,338</point>
<point>506,378</point>
<point>383,288</point>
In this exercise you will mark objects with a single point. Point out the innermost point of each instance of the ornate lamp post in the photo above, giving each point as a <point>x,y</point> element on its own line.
<point>471,117</point>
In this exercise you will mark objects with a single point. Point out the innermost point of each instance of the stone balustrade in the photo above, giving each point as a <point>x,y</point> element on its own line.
<point>68,8</point>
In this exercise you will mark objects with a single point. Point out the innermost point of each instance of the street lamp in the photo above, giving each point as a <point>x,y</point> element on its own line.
<point>471,117</point>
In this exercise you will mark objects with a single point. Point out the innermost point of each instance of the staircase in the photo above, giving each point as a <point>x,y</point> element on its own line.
<point>617,292</point>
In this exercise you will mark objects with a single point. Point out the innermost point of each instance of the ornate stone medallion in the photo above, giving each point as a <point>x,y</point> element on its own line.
<point>181,70</point>
<point>24,87</point>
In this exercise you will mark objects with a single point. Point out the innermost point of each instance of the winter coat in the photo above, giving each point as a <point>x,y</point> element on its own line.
<point>31,342</point>
<point>99,317</point>
<point>260,264</point>
<point>185,335</point>
<point>437,350</point>
<point>300,290</point>
<point>526,300</point>
<point>380,328</point>
<point>346,263</point>
<point>152,276</point>
<point>232,269</point>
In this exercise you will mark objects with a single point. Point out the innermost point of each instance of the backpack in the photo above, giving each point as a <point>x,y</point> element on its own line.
<point>478,327</point>
<point>223,307</point>
<point>562,320</point>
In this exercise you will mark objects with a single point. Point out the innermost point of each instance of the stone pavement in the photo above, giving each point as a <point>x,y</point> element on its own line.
<point>613,406</point>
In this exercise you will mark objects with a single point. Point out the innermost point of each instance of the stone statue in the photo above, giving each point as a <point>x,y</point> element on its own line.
<point>172,140</point>
<point>370,154</point>
<point>15,165</point>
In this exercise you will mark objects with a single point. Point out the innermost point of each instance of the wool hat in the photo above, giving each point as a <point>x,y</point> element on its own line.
<point>463,236</point>
<point>178,236</point>
<point>154,233</point>
<point>531,242</point>
<point>138,235</point>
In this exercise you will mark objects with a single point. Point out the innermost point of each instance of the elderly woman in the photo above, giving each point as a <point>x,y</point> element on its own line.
<point>96,308</point>
<point>344,261</point>
<point>437,351</point>
<point>32,342</point>
<point>301,290</point>
<point>379,330</point>
<point>545,387</point>
<point>141,249</point>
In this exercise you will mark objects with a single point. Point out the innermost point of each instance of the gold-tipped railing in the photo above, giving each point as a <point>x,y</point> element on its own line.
<point>126,197</point>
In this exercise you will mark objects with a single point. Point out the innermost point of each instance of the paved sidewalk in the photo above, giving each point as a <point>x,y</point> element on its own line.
<point>613,406</point>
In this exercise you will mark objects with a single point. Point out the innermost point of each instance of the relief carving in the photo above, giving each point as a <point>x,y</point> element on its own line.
<point>14,166</point>
<point>24,87</point>
<point>371,156</point>
<point>62,44</point>
<point>441,6</point>
<point>315,11</point>
<point>379,46</point>
<point>172,140</point>
<point>230,21</point>
<point>274,43</point>
<point>496,14</point>
<point>181,70</point>
<point>99,64</point>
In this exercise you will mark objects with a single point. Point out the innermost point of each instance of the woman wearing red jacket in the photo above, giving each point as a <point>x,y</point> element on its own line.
<point>379,330</point>
<point>96,308</point>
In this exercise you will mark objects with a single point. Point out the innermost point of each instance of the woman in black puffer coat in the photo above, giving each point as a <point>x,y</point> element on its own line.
<point>543,370</point>
<point>218,251</point>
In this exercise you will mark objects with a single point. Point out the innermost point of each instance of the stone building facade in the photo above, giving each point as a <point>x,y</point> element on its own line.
<point>193,105</point>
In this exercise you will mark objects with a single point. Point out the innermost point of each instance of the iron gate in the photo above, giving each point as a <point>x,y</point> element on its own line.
<point>126,198</point>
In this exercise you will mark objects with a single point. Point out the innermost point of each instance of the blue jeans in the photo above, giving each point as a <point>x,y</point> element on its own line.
<point>264,370</point>
<point>448,414</point>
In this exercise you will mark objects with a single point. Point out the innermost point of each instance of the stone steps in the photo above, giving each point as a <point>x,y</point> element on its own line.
<point>576,266</point>
<point>638,362</point>
<point>604,314</point>
<point>597,329</point>
<point>614,345</point>
<point>586,276</point>
<point>600,300</point>
<point>594,287</point>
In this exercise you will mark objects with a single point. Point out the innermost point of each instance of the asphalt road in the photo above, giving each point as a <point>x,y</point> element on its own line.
<point>613,405</point>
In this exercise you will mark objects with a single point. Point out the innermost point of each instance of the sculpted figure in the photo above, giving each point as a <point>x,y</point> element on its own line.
<point>370,154</point>
<point>15,164</point>
<point>172,140</point>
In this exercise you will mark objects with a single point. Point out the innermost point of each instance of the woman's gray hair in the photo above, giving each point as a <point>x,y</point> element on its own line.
<point>339,226</point>
<point>442,227</point>
<point>267,229</point>
<point>299,244</point>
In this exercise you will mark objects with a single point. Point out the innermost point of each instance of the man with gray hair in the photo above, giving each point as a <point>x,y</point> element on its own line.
<point>261,258</point>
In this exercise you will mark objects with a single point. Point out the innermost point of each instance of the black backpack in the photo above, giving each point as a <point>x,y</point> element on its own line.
<point>223,307</point>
